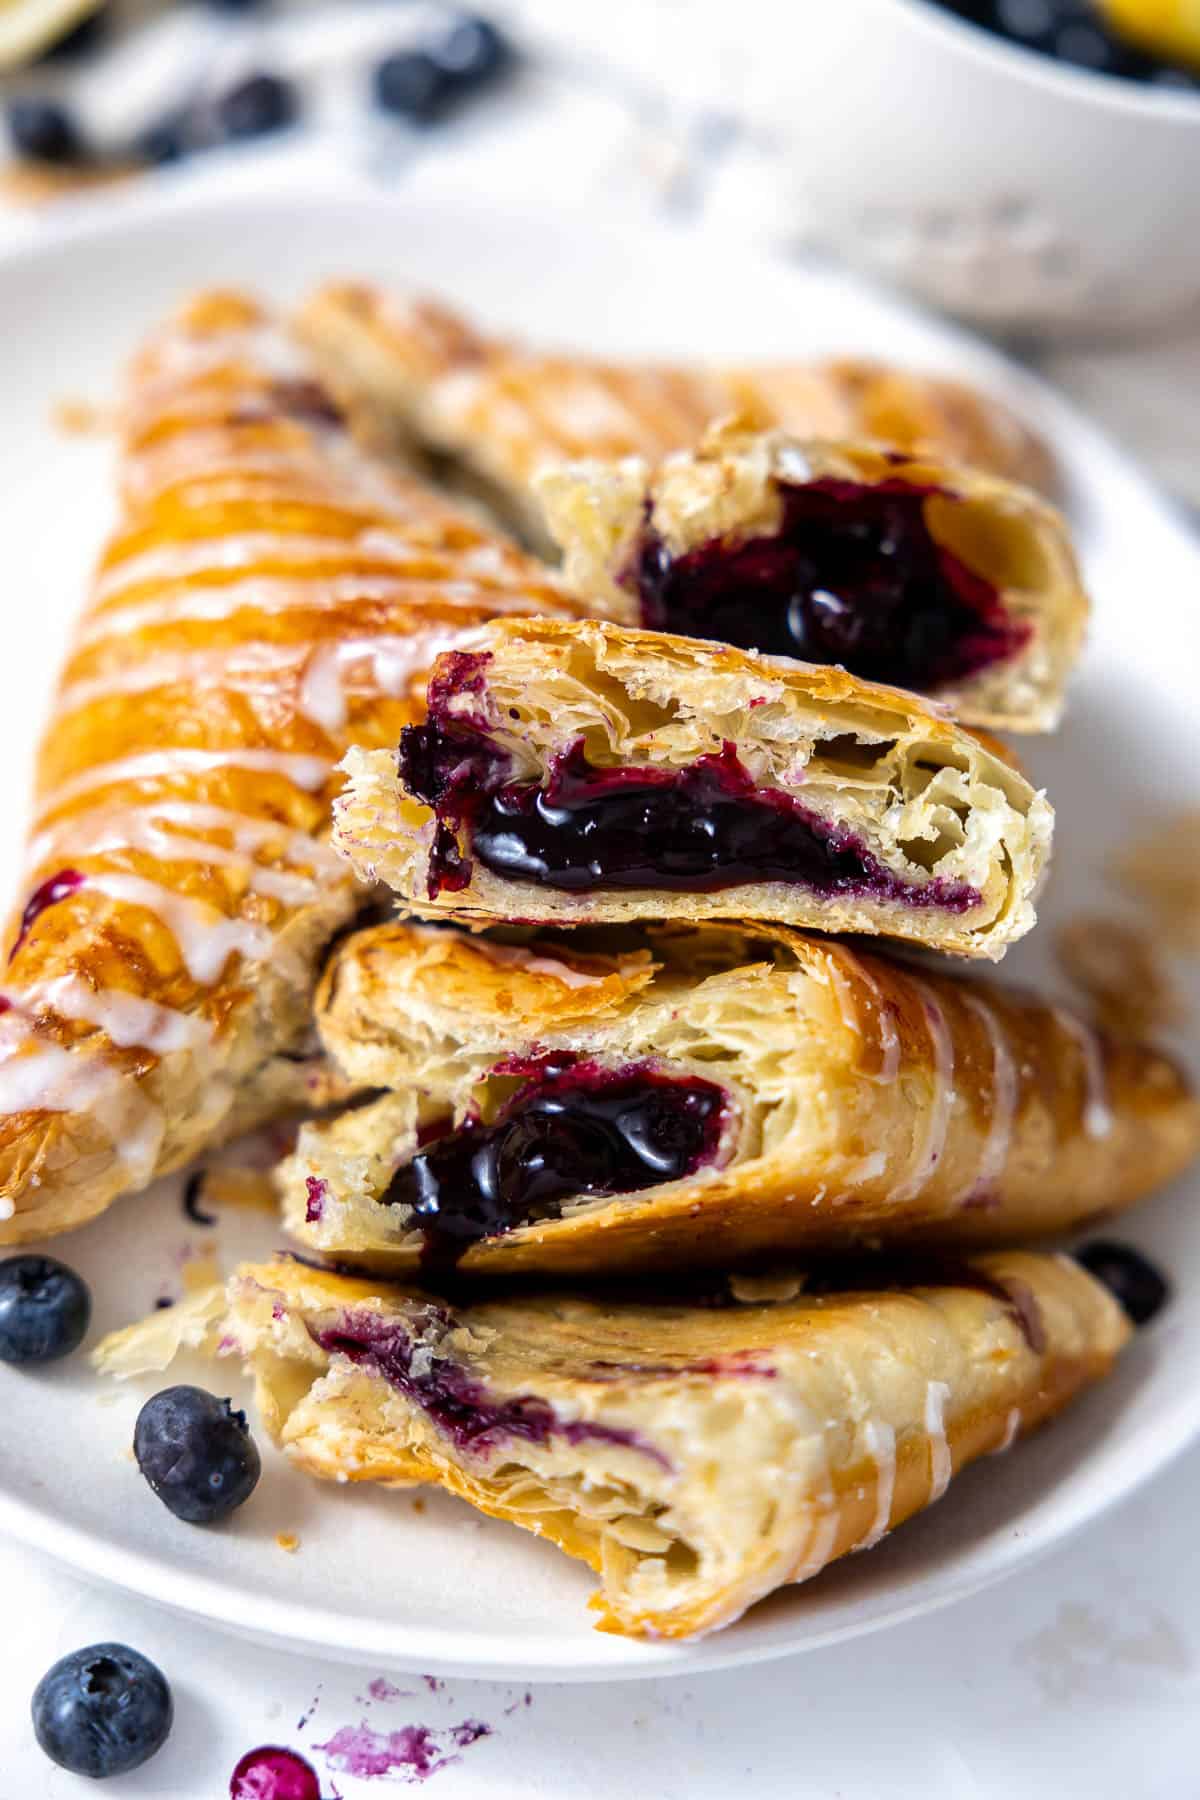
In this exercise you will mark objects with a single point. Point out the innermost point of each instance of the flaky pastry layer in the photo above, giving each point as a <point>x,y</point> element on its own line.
<point>604,514</point>
<point>868,1103</point>
<point>696,1456</point>
<point>935,809</point>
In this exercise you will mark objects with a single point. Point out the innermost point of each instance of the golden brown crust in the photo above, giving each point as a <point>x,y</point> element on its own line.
<point>731,488</point>
<point>872,1103</point>
<point>270,596</point>
<point>931,803</point>
<point>505,413</point>
<point>696,1456</point>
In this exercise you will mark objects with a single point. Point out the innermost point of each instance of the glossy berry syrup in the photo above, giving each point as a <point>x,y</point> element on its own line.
<point>273,1773</point>
<point>574,1128</point>
<point>56,888</point>
<point>853,575</point>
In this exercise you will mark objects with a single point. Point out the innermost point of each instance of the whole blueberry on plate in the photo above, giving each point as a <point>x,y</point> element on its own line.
<point>165,140</point>
<point>472,50</point>
<point>1128,1276</point>
<point>44,129</point>
<point>412,85</point>
<point>44,1309</point>
<point>102,1711</point>
<point>197,1453</point>
<point>260,104</point>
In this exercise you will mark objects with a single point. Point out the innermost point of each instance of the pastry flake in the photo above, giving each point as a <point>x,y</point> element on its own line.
<point>496,414</point>
<point>271,595</point>
<point>572,773</point>
<point>899,568</point>
<point>700,1096</point>
<point>696,1450</point>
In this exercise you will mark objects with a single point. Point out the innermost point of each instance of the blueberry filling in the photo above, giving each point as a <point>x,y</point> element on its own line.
<point>51,891</point>
<point>698,829</point>
<point>273,1773</point>
<point>853,575</point>
<point>572,1129</point>
<point>457,1403</point>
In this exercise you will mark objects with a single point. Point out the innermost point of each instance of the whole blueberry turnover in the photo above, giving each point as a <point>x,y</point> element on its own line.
<point>901,569</point>
<point>578,772</point>
<point>700,1096</point>
<point>697,1449</point>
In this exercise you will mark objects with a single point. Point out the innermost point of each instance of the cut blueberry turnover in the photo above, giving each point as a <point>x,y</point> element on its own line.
<point>271,595</point>
<point>634,1099</point>
<point>572,773</point>
<point>494,415</point>
<point>697,1450</point>
<point>899,568</point>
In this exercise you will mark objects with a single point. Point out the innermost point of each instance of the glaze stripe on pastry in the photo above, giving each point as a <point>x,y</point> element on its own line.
<point>696,1096</point>
<point>570,773</point>
<point>900,568</point>
<point>697,1456</point>
<point>270,596</point>
<point>504,413</point>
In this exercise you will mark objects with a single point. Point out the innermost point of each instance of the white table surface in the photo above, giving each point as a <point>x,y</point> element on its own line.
<point>1080,1676</point>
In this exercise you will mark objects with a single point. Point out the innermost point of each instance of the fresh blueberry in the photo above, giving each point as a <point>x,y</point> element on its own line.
<point>44,129</point>
<point>44,1309</point>
<point>197,1453</point>
<point>166,139</point>
<point>102,1711</point>
<point>1127,1275</point>
<point>260,104</point>
<point>472,50</point>
<point>235,6</point>
<point>410,84</point>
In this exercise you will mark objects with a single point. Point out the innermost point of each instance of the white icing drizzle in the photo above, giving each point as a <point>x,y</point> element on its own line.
<point>881,1445</point>
<point>395,662</point>
<point>1012,1425</point>
<point>194,556</point>
<point>135,830</point>
<point>270,594</point>
<point>1005,1091</point>
<point>138,827</point>
<point>206,938</point>
<point>1097,1112</point>
<point>42,1077</point>
<point>937,1114</point>
<point>125,1018</point>
<point>941,1465</point>
<point>304,771</point>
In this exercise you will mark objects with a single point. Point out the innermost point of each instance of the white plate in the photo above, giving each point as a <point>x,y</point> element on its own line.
<point>439,1589</point>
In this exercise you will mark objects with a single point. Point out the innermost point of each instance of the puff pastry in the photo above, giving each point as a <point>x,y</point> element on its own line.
<point>900,568</point>
<point>495,414</point>
<point>697,1457</point>
<point>572,773</point>
<point>700,1096</point>
<point>270,596</point>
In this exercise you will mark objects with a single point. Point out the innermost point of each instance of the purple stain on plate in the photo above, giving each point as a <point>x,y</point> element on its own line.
<point>383,1689</point>
<point>310,1709</point>
<point>273,1773</point>
<point>433,1684</point>
<point>413,1753</point>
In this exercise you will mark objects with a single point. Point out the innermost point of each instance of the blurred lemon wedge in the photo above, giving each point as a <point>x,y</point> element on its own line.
<point>1166,28</point>
<point>27,27</point>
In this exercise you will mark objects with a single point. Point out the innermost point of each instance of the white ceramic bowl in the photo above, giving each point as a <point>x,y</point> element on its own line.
<point>991,180</point>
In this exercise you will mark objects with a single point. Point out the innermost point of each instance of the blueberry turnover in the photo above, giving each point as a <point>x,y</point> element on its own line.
<point>700,1095</point>
<point>496,414</point>
<point>270,597</point>
<point>573,773</point>
<point>698,1450</point>
<point>899,568</point>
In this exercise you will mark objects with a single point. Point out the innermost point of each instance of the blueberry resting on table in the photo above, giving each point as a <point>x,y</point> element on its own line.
<point>260,104</point>
<point>44,129</point>
<point>102,1711</point>
<point>197,1453</point>
<point>44,1309</point>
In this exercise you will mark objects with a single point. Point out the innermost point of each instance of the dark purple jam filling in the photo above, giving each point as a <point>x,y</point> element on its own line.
<point>852,576</point>
<point>51,891</point>
<point>573,1129</point>
<point>457,1403</point>
<point>697,829</point>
